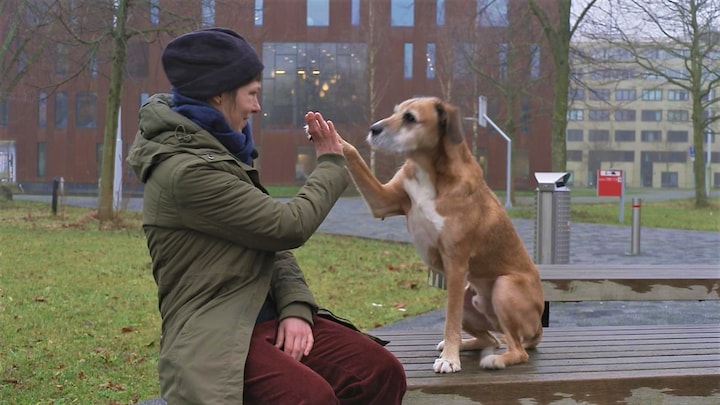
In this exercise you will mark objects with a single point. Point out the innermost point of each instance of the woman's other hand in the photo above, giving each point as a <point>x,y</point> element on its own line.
<point>294,337</point>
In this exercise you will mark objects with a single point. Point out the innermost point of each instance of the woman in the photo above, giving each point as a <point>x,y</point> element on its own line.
<point>239,323</point>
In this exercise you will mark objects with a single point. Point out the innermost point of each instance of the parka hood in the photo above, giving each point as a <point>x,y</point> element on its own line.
<point>163,133</point>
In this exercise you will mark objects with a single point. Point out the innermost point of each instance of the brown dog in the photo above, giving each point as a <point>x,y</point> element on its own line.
<point>459,228</point>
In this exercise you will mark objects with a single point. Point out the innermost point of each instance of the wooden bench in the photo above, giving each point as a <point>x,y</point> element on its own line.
<point>620,364</point>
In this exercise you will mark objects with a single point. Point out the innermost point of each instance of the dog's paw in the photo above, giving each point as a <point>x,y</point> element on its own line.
<point>491,361</point>
<point>443,366</point>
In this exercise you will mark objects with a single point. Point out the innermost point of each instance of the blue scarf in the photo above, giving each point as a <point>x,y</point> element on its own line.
<point>210,119</point>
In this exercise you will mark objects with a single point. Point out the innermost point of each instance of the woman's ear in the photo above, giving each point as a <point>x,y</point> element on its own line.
<point>216,100</point>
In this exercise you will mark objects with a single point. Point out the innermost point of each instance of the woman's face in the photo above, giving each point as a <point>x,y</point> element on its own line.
<point>238,106</point>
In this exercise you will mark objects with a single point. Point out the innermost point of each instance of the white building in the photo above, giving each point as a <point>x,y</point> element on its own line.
<point>622,117</point>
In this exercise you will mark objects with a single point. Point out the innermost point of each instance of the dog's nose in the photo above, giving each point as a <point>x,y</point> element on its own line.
<point>375,130</point>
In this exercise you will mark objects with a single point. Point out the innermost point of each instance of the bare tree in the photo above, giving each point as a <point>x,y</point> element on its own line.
<point>494,62</point>
<point>559,36</point>
<point>105,28</point>
<point>678,42</point>
<point>26,27</point>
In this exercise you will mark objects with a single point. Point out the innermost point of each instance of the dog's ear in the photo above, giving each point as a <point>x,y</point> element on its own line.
<point>449,122</point>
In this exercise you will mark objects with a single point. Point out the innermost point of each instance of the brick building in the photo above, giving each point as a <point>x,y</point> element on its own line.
<point>353,60</point>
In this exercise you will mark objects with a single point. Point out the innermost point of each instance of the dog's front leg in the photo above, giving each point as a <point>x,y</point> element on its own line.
<point>384,200</point>
<point>449,361</point>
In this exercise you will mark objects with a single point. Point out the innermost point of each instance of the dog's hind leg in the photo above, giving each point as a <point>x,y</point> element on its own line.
<point>519,321</point>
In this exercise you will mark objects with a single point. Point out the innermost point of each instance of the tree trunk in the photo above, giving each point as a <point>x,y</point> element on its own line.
<point>105,204</point>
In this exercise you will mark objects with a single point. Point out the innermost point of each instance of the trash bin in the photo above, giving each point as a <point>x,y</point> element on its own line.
<point>552,218</point>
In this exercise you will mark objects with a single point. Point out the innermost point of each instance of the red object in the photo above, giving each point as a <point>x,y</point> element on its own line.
<point>610,183</point>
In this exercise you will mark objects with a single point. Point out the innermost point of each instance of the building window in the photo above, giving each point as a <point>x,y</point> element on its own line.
<point>329,77</point>
<point>625,115</point>
<point>599,94</point>
<point>408,60</point>
<point>402,13</point>
<point>677,136</point>
<point>61,109</point>
<point>492,13</point>
<point>258,13</point>
<point>61,59</point>
<point>574,135</point>
<point>575,115</point>
<point>651,136</point>
<point>574,156</point>
<point>599,115</point>
<point>430,61</point>
<point>440,13</point>
<point>503,60</point>
<point>625,95</point>
<point>208,12</point>
<point>651,115</point>
<point>576,94</point>
<point>136,63</point>
<point>678,115</point>
<point>42,109</point>
<point>525,118</point>
<point>41,158</point>
<point>86,110</point>
<point>669,180</point>
<point>677,95</point>
<point>534,61</point>
<point>624,136</point>
<point>652,95</point>
<point>598,135</point>
<point>318,13</point>
<point>4,113</point>
<point>355,13</point>
<point>155,12</point>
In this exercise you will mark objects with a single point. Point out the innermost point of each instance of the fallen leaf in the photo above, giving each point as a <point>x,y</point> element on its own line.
<point>39,298</point>
<point>127,329</point>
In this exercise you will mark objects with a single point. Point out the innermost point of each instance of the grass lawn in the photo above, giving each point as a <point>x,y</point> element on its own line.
<point>78,306</point>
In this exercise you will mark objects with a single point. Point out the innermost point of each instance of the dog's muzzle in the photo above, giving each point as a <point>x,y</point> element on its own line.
<point>375,130</point>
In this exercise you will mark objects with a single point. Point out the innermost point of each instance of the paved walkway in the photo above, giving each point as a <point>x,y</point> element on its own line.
<point>588,244</point>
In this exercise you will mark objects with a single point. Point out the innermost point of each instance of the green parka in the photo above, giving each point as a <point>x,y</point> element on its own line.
<point>219,246</point>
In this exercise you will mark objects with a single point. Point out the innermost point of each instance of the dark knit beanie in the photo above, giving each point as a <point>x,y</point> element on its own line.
<point>205,63</point>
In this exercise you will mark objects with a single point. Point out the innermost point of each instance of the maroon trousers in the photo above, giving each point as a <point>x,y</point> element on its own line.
<point>344,367</point>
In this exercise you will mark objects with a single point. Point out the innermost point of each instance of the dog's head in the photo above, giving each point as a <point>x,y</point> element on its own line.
<point>417,124</point>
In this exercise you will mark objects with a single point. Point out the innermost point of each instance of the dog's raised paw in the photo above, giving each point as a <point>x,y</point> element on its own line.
<point>444,366</point>
<point>492,362</point>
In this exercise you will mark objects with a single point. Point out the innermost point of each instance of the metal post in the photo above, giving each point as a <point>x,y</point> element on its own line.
<point>635,246</point>
<point>508,201</point>
<point>55,192</point>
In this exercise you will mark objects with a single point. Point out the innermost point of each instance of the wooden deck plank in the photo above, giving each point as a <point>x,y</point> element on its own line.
<point>580,363</point>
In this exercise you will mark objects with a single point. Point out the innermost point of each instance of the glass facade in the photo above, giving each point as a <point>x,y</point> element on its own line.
<point>330,77</point>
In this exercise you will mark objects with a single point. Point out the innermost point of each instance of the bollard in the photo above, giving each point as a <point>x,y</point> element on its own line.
<point>58,189</point>
<point>635,233</point>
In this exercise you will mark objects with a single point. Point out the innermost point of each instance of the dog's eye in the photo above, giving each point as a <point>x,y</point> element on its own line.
<point>409,118</point>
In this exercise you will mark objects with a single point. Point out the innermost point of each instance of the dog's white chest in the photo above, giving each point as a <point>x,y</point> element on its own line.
<point>424,222</point>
